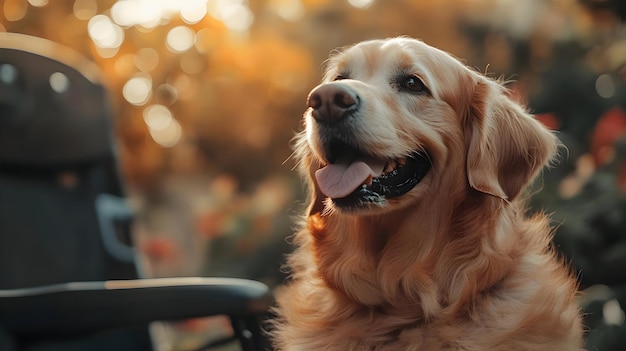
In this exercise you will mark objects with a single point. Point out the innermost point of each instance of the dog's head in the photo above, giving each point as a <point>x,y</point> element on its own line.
<point>396,122</point>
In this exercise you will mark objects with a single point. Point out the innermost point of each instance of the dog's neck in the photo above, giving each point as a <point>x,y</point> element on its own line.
<point>379,261</point>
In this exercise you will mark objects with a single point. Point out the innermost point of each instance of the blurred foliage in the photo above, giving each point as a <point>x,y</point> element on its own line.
<point>232,97</point>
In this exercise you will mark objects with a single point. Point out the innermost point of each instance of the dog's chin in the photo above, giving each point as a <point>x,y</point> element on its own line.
<point>387,190</point>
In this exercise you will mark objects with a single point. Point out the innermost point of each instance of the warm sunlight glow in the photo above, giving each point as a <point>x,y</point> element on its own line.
<point>193,11</point>
<point>104,32</point>
<point>180,39</point>
<point>38,3</point>
<point>235,14</point>
<point>168,136</point>
<point>191,64</point>
<point>146,13</point>
<point>15,10</point>
<point>85,9</point>
<point>290,10</point>
<point>361,3</point>
<point>138,89</point>
<point>151,13</point>
<point>185,87</point>
<point>146,59</point>
<point>125,65</point>
<point>157,117</point>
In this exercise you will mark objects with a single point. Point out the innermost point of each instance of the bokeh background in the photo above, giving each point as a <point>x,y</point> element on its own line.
<point>207,95</point>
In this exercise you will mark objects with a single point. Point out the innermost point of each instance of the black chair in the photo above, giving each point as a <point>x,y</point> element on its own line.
<point>68,277</point>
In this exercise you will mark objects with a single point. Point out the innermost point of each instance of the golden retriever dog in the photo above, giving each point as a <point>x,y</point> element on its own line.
<point>416,236</point>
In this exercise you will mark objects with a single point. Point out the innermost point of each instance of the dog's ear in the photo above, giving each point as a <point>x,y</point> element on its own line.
<point>507,146</point>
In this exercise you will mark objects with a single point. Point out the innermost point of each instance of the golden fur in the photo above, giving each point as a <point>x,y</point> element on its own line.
<point>454,264</point>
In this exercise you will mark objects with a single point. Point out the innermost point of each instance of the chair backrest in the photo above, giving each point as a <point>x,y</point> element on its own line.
<point>59,181</point>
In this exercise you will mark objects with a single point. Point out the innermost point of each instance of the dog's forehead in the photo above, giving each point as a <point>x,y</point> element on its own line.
<point>389,57</point>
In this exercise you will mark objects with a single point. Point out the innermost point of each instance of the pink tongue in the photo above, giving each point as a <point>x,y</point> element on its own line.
<point>340,180</point>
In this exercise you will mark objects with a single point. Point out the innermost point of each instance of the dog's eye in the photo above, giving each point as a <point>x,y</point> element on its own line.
<point>413,84</point>
<point>340,77</point>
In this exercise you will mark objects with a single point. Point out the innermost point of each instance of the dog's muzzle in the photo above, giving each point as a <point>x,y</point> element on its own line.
<point>353,178</point>
<point>332,103</point>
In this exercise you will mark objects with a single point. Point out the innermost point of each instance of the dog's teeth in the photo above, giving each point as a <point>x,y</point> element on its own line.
<point>390,166</point>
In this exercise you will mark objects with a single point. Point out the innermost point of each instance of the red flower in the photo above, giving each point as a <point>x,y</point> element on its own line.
<point>549,120</point>
<point>610,127</point>
<point>159,248</point>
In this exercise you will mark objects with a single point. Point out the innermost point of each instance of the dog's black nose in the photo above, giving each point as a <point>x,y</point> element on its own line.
<point>332,102</point>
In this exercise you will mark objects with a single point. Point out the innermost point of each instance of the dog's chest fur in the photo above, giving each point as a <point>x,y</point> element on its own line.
<point>346,302</point>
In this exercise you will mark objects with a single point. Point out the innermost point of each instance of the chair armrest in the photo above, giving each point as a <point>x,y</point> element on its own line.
<point>85,307</point>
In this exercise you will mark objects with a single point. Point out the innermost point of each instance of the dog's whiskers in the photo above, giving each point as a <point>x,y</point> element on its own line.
<point>422,151</point>
<point>329,209</point>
